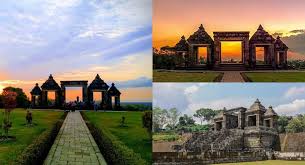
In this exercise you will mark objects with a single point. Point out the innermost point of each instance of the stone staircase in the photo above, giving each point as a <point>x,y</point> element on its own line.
<point>211,140</point>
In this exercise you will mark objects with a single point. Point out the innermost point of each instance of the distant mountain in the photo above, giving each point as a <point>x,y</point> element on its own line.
<point>137,103</point>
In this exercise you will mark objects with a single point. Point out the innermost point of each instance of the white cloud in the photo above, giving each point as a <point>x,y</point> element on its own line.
<point>115,18</point>
<point>28,17</point>
<point>124,45</point>
<point>191,90</point>
<point>295,107</point>
<point>218,104</point>
<point>294,91</point>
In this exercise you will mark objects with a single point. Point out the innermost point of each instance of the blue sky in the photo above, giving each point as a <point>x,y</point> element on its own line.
<point>75,40</point>
<point>286,98</point>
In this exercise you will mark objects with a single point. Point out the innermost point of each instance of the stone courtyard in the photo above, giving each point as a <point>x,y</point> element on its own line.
<point>74,144</point>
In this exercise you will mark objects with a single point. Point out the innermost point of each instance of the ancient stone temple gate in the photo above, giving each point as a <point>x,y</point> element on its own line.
<point>274,50</point>
<point>232,36</point>
<point>82,84</point>
<point>39,96</point>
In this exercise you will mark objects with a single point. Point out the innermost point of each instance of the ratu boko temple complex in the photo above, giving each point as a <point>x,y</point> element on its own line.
<point>110,97</point>
<point>238,129</point>
<point>274,50</point>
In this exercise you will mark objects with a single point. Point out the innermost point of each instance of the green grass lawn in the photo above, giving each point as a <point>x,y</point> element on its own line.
<point>269,162</point>
<point>276,76</point>
<point>134,136</point>
<point>184,76</point>
<point>165,137</point>
<point>25,135</point>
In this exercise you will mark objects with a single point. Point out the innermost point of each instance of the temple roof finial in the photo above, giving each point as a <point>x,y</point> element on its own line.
<point>257,101</point>
<point>278,37</point>
<point>260,27</point>
<point>201,27</point>
<point>183,38</point>
<point>51,76</point>
<point>97,76</point>
<point>112,84</point>
<point>36,84</point>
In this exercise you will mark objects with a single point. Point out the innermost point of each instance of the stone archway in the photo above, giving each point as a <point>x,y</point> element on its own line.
<point>39,97</point>
<point>232,36</point>
<point>82,84</point>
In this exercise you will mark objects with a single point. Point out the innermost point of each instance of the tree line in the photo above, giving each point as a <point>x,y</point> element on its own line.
<point>172,120</point>
<point>291,124</point>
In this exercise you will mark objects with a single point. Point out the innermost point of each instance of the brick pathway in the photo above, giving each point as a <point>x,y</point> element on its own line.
<point>232,76</point>
<point>74,144</point>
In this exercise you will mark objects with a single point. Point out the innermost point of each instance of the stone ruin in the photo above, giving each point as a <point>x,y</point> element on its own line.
<point>274,54</point>
<point>110,97</point>
<point>238,129</point>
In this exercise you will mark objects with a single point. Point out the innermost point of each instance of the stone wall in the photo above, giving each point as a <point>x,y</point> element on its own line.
<point>289,155</point>
<point>208,157</point>
<point>293,142</point>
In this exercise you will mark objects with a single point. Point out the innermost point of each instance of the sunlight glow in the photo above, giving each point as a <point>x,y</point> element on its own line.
<point>1,88</point>
<point>231,50</point>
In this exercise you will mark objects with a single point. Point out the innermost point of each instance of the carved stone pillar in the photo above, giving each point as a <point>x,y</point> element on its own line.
<point>44,98</point>
<point>257,120</point>
<point>217,51</point>
<point>90,96</point>
<point>272,55</point>
<point>63,94</point>
<point>58,98</point>
<point>224,122</point>
<point>85,94</point>
<point>246,54</point>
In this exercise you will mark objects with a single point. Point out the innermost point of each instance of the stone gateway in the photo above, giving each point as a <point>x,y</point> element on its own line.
<point>110,97</point>
<point>274,50</point>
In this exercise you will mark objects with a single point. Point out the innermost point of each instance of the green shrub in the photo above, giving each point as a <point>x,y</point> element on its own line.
<point>147,120</point>
<point>113,150</point>
<point>135,107</point>
<point>36,152</point>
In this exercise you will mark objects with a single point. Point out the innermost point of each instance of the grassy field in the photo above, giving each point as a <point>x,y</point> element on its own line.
<point>134,136</point>
<point>184,76</point>
<point>269,162</point>
<point>24,134</point>
<point>276,76</point>
<point>165,137</point>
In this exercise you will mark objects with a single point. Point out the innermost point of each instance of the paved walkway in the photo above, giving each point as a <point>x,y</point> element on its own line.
<point>232,76</point>
<point>74,144</point>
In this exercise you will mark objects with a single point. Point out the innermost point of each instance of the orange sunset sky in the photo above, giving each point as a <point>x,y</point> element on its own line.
<point>75,40</point>
<point>174,18</point>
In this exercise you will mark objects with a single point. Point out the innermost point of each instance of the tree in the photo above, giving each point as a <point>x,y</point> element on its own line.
<point>283,122</point>
<point>205,114</point>
<point>297,124</point>
<point>186,120</point>
<point>147,121</point>
<point>172,117</point>
<point>21,98</point>
<point>9,102</point>
<point>159,118</point>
